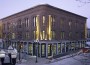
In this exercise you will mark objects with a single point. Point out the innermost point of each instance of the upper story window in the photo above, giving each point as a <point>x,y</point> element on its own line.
<point>4,26</point>
<point>19,23</point>
<point>43,20</point>
<point>19,35</point>
<point>62,34</point>
<point>14,25</point>
<point>76,24</point>
<point>53,20</point>
<point>8,25</point>
<point>34,18</point>
<point>61,23</point>
<point>26,22</point>
<point>4,35</point>
<point>13,35</point>
<point>27,35</point>
<point>53,34</point>
<point>70,24</point>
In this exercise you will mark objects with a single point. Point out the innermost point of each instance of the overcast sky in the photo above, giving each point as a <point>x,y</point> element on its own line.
<point>9,7</point>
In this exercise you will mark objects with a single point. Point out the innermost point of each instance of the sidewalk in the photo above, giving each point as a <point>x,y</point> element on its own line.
<point>72,59</point>
<point>32,61</point>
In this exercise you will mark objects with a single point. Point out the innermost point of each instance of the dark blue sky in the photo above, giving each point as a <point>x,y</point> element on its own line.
<point>9,7</point>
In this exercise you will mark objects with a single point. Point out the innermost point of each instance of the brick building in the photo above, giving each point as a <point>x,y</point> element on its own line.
<point>45,28</point>
<point>88,34</point>
<point>1,41</point>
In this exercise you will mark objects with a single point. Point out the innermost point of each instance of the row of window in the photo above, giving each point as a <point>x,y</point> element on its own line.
<point>27,36</point>
<point>53,48</point>
<point>44,34</point>
<point>20,23</point>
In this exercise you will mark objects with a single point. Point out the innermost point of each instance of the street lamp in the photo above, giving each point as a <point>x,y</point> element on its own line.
<point>20,46</point>
<point>36,50</point>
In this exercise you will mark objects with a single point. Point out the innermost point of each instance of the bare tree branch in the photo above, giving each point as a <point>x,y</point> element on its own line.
<point>84,1</point>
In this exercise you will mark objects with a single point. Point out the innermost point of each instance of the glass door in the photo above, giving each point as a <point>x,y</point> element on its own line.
<point>49,50</point>
<point>43,50</point>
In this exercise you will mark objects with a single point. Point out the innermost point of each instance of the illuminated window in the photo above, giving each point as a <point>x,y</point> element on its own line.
<point>30,49</point>
<point>36,25</point>
<point>43,49</point>
<point>51,23</point>
<point>54,49</point>
<point>43,20</point>
<point>49,49</point>
<point>37,28</point>
<point>70,23</point>
<point>34,21</point>
<point>49,28</point>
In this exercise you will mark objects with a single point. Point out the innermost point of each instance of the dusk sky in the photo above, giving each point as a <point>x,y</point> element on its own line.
<point>9,7</point>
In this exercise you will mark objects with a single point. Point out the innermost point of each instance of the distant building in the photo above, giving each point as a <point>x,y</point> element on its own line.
<point>88,34</point>
<point>0,29</point>
<point>1,41</point>
<point>45,28</point>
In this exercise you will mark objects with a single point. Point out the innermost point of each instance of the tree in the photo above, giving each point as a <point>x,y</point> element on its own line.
<point>84,1</point>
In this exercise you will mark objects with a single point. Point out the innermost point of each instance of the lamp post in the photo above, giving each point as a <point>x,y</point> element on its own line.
<point>36,50</point>
<point>19,50</point>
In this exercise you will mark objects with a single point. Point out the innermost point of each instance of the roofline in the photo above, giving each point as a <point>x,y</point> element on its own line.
<point>43,5</point>
<point>64,10</point>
